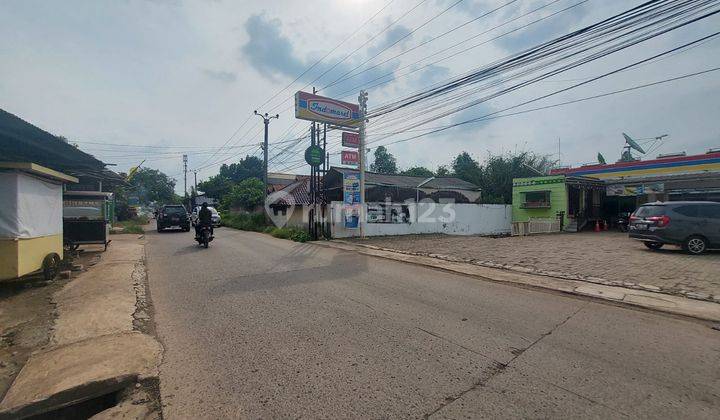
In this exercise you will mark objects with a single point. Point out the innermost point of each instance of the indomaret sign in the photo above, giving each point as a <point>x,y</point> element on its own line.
<point>320,109</point>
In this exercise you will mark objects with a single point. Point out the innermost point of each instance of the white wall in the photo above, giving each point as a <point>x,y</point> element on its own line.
<point>451,219</point>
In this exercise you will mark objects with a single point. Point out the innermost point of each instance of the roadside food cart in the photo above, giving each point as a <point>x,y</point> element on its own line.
<point>86,218</point>
<point>31,230</point>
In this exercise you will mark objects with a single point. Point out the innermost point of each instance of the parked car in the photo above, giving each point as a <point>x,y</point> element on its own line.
<point>173,215</point>
<point>215,216</point>
<point>693,225</point>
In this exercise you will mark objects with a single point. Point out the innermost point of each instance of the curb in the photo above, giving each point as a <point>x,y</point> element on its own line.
<point>661,302</point>
<point>554,274</point>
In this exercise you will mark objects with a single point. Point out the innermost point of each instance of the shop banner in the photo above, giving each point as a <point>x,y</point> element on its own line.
<point>351,216</point>
<point>326,110</point>
<point>349,157</point>
<point>351,188</point>
<point>350,139</point>
<point>632,190</point>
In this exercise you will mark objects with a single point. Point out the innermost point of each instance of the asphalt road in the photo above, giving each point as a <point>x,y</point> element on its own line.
<point>257,327</point>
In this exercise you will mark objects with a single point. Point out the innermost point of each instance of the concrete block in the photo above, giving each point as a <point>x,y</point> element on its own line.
<point>80,371</point>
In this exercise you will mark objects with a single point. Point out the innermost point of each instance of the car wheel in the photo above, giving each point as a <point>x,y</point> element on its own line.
<point>653,245</point>
<point>695,245</point>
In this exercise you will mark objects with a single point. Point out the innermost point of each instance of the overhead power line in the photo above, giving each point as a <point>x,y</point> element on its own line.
<point>490,115</point>
<point>341,43</point>
<point>342,60</point>
<point>397,41</point>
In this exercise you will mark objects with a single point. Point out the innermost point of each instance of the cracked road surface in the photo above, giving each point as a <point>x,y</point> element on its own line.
<point>257,327</point>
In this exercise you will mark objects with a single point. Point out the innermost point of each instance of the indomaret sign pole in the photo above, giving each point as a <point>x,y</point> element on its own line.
<point>362,100</point>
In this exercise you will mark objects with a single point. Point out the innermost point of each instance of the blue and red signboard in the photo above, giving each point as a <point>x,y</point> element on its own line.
<point>326,110</point>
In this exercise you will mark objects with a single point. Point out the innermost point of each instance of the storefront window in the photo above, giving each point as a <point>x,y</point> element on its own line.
<point>536,200</point>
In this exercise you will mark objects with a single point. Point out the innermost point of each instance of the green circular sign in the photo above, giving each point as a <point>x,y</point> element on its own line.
<point>314,155</point>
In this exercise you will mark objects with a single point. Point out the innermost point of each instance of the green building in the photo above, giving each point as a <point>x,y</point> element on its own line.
<point>574,201</point>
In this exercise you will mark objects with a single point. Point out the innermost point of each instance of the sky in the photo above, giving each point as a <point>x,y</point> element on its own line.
<point>135,80</point>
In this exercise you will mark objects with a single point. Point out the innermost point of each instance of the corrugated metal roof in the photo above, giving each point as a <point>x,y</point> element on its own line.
<point>439,183</point>
<point>22,141</point>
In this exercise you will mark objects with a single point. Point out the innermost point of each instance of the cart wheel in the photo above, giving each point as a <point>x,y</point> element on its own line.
<point>51,266</point>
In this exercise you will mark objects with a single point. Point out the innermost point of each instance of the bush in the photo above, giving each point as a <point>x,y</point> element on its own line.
<point>292,233</point>
<point>281,233</point>
<point>244,221</point>
<point>256,222</point>
<point>300,236</point>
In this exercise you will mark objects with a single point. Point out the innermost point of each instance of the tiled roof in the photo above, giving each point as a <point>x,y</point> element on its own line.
<point>294,194</point>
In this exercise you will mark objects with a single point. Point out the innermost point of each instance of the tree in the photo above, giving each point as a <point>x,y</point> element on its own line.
<point>467,168</point>
<point>248,194</point>
<point>152,185</point>
<point>442,170</point>
<point>218,186</point>
<point>499,171</point>
<point>248,167</point>
<point>384,161</point>
<point>418,171</point>
<point>148,185</point>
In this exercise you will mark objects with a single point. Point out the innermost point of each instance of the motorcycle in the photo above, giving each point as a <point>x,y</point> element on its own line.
<point>204,236</point>
<point>623,222</point>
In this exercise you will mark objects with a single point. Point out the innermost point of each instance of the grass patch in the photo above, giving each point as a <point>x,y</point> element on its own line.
<point>131,226</point>
<point>254,222</point>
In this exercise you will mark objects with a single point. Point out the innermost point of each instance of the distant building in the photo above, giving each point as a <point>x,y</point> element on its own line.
<point>277,180</point>
<point>446,205</point>
<point>198,200</point>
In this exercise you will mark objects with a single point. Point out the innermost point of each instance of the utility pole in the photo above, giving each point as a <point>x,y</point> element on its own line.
<point>185,172</point>
<point>362,101</point>
<point>194,190</point>
<point>266,119</point>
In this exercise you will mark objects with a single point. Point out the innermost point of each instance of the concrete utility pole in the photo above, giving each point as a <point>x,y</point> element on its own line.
<point>266,119</point>
<point>185,172</point>
<point>362,100</point>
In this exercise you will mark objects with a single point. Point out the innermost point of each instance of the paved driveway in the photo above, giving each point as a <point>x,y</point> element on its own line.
<point>609,256</point>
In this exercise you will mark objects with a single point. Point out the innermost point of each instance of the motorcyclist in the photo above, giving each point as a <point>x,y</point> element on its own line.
<point>204,219</point>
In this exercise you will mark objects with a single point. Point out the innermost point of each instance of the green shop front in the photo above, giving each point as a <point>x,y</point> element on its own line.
<point>554,203</point>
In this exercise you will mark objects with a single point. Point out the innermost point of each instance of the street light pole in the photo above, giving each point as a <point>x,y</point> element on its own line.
<point>266,120</point>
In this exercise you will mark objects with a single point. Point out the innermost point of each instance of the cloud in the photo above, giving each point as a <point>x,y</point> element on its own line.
<point>268,51</point>
<point>432,74</point>
<point>395,34</point>
<point>466,114</point>
<point>220,75</point>
<point>273,55</point>
<point>545,30</point>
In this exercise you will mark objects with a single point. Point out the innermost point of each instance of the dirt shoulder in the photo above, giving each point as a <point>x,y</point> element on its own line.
<point>88,348</point>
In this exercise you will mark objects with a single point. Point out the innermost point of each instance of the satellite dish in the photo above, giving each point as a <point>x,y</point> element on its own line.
<point>633,144</point>
<point>601,159</point>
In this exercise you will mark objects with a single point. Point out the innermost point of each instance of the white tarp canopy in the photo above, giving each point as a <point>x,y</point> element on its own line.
<point>31,206</point>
